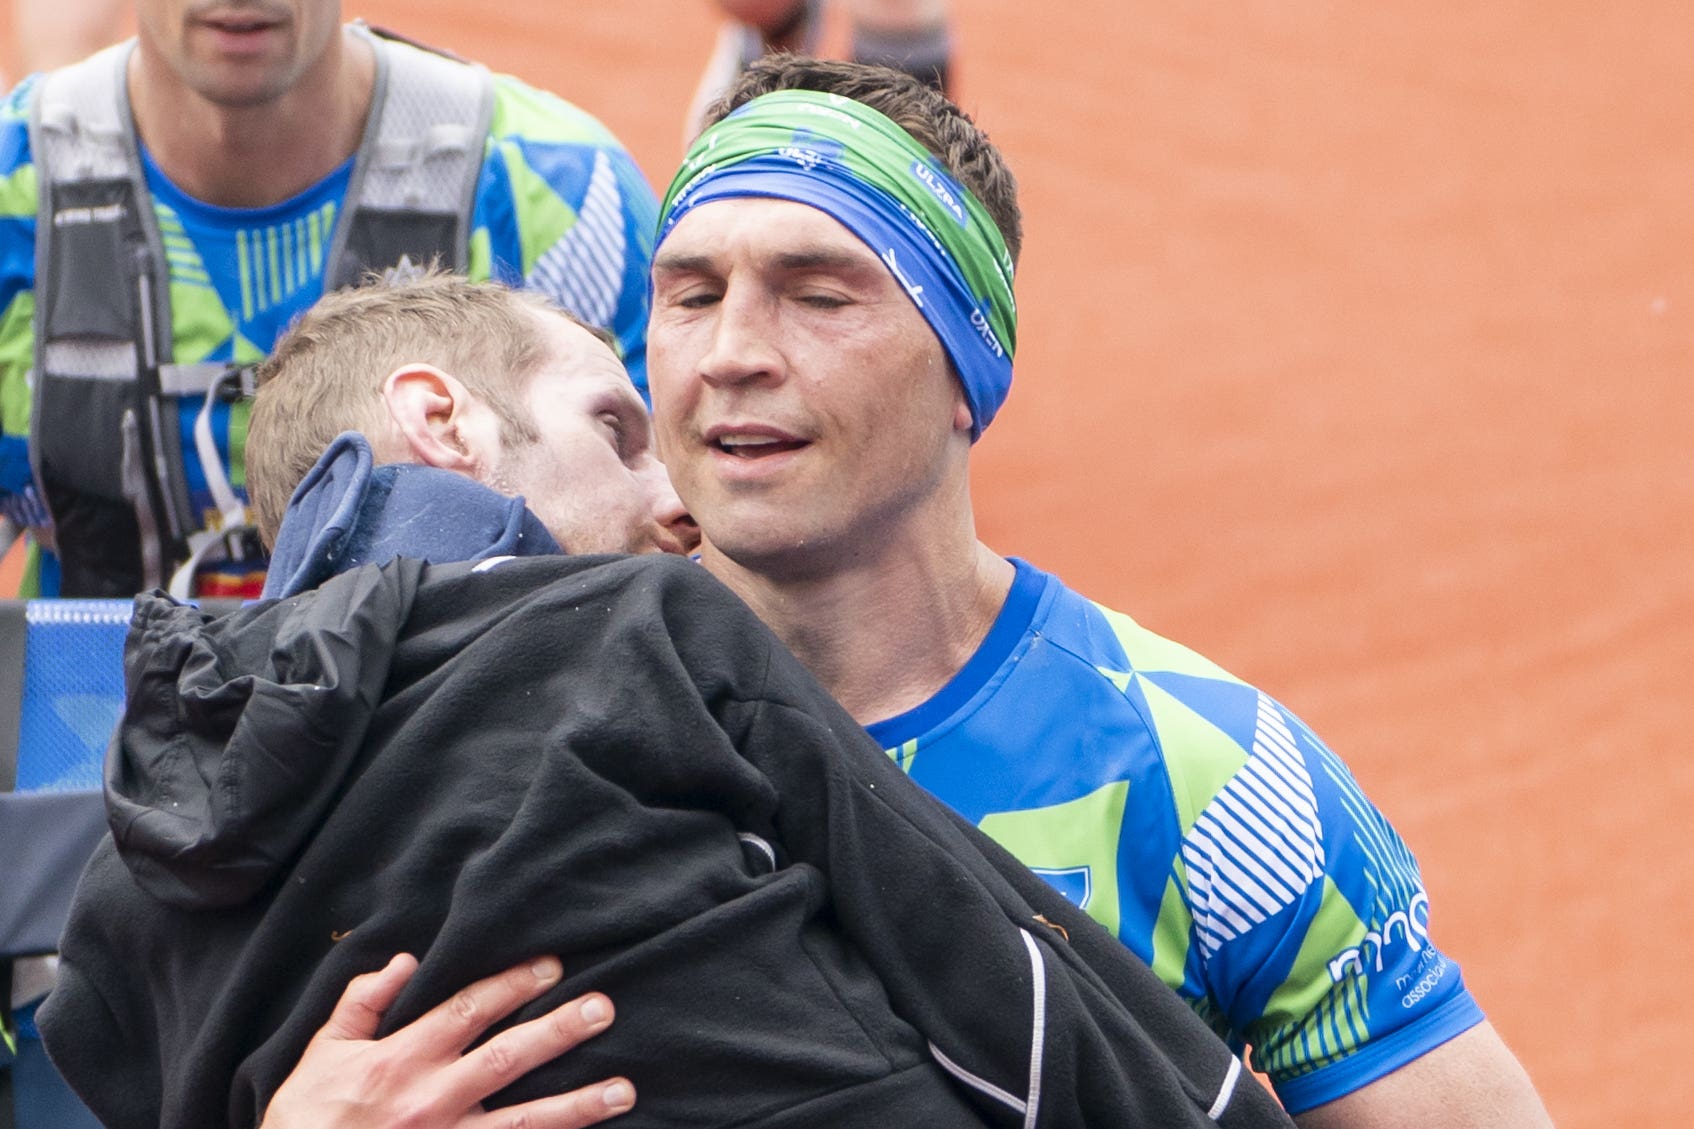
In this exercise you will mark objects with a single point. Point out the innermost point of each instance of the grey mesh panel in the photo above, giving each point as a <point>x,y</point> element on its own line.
<point>92,360</point>
<point>428,132</point>
<point>422,150</point>
<point>79,117</point>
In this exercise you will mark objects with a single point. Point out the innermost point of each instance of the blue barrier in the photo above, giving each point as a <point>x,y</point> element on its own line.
<point>61,695</point>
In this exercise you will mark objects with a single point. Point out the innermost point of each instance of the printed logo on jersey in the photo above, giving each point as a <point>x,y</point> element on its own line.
<point>1408,927</point>
<point>1432,969</point>
<point>1076,883</point>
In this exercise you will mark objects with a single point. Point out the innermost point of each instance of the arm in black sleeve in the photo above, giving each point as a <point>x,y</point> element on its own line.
<point>961,933</point>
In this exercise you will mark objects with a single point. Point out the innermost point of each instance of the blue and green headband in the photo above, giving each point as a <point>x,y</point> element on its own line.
<point>855,165</point>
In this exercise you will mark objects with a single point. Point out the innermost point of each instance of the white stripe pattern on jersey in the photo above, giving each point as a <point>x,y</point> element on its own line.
<point>1258,846</point>
<point>583,271</point>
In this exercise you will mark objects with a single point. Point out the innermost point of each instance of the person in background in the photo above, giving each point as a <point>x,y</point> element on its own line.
<point>48,34</point>
<point>914,36</point>
<point>188,192</point>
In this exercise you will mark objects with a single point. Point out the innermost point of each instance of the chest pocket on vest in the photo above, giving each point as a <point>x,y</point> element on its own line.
<point>94,321</point>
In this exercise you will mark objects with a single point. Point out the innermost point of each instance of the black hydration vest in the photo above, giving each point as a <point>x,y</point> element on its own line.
<point>105,441</point>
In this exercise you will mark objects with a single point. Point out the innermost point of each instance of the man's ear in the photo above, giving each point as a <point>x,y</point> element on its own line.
<point>431,411</point>
<point>963,418</point>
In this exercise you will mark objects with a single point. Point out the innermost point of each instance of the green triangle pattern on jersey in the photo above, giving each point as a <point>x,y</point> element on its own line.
<point>18,193</point>
<point>1081,833</point>
<point>1173,931</point>
<point>479,256</point>
<point>1210,757</point>
<point>905,755</point>
<point>541,117</point>
<point>199,322</point>
<point>1148,652</point>
<point>546,216</point>
<point>1312,1020</point>
<point>17,343</point>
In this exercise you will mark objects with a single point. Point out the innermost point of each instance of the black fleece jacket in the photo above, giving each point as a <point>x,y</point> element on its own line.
<point>612,760</point>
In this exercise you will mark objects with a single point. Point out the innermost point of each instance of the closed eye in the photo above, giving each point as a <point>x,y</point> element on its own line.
<point>824,301</point>
<point>630,432</point>
<point>619,433</point>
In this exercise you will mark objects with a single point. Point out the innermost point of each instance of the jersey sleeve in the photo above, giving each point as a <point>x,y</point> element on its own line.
<point>1309,924</point>
<point>563,209</point>
<point>17,308</point>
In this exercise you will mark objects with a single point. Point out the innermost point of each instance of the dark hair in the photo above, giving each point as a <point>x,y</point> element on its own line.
<point>963,149</point>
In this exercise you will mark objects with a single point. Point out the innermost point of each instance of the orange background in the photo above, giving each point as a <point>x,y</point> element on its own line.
<point>1358,353</point>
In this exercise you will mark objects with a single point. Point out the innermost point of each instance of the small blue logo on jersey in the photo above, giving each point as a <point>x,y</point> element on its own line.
<point>1076,883</point>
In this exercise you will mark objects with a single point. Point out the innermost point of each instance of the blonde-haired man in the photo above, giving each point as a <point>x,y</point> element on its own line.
<point>497,385</point>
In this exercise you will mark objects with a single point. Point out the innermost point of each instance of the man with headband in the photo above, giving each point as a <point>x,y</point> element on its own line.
<point>816,415</point>
<point>447,738</point>
<point>832,329</point>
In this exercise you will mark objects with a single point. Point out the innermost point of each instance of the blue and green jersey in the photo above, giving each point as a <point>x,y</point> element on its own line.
<point>560,208</point>
<point>1204,825</point>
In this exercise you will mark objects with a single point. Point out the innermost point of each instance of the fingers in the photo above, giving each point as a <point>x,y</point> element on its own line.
<point>513,1053</point>
<point>420,1077</point>
<point>575,1110</point>
<point>450,1027</point>
<point>367,998</point>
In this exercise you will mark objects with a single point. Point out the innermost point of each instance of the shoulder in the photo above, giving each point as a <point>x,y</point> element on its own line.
<point>549,162</point>
<point>1146,650</point>
<point>632,618</point>
<point>1098,634</point>
<point>79,101</point>
<point>15,103</point>
<point>19,199</point>
<point>519,111</point>
<point>15,153</point>
<point>527,113</point>
<point>1202,718</point>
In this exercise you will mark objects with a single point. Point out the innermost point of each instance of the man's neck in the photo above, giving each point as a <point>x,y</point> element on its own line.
<point>883,636</point>
<point>258,155</point>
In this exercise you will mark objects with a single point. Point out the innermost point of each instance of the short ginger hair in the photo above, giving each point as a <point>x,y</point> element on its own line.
<point>326,373</point>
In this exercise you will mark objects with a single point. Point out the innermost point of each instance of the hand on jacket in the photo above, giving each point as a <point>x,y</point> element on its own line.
<point>420,1077</point>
